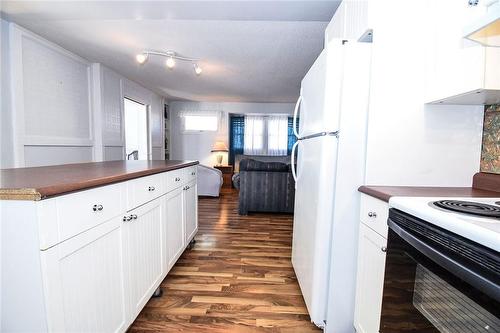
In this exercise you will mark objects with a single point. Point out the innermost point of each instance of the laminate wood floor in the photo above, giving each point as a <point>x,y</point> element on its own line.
<point>237,278</point>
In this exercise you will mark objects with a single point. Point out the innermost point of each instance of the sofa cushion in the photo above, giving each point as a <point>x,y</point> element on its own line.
<point>253,165</point>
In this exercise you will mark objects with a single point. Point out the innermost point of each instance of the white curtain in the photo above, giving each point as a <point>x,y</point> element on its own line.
<point>277,135</point>
<point>254,136</point>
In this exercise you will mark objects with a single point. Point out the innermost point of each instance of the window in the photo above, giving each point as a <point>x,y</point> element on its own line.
<point>254,135</point>
<point>200,121</point>
<point>277,137</point>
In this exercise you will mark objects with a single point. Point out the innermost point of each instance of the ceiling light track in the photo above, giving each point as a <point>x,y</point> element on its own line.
<point>171,56</point>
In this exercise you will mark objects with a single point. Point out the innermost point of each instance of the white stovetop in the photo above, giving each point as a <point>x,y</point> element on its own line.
<point>483,230</point>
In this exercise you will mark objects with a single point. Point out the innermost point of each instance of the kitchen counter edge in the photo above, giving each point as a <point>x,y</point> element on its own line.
<point>47,191</point>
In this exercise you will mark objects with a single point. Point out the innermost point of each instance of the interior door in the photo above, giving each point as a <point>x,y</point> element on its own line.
<point>191,210</point>
<point>84,282</point>
<point>175,225</point>
<point>143,252</point>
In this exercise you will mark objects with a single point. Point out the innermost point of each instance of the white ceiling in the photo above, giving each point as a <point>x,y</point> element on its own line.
<point>250,51</point>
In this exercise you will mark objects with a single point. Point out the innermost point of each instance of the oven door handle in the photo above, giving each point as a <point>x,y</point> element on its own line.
<point>478,281</point>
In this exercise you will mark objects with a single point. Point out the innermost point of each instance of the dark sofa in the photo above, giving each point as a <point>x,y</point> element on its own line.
<point>265,187</point>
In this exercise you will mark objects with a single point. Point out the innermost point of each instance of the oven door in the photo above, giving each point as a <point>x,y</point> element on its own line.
<point>437,281</point>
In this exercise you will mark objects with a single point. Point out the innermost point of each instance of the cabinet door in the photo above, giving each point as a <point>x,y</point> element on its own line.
<point>143,251</point>
<point>370,280</point>
<point>191,210</point>
<point>175,225</point>
<point>84,282</point>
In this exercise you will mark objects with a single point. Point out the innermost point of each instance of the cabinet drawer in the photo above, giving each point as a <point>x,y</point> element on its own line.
<point>374,214</point>
<point>190,173</point>
<point>175,178</point>
<point>144,189</point>
<point>84,210</point>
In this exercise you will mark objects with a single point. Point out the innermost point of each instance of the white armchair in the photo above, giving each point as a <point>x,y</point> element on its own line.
<point>209,181</point>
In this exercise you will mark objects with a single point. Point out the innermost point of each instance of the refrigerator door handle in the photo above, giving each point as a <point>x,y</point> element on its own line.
<point>294,172</point>
<point>295,114</point>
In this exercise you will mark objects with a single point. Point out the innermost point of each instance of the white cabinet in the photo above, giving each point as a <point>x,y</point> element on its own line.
<point>369,281</point>
<point>142,229</point>
<point>174,225</point>
<point>191,210</point>
<point>89,261</point>
<point>371,264</point>
<point>459,71</point>
<point>83,282</point>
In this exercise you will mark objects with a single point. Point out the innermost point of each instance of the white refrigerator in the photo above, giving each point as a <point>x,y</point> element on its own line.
<point>330,158</point>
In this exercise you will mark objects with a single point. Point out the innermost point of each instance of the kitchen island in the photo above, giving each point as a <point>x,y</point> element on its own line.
<point>84,246</point>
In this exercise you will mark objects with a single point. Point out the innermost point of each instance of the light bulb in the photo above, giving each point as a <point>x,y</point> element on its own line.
<point>170,62</point>
<point>141,58</point>
<point>197,69</point>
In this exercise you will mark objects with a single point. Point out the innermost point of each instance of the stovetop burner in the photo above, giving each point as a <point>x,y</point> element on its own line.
<point>468,207</point>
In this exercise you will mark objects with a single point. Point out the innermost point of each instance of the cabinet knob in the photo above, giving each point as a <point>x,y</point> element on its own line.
<point>127,218</point>
<point>151,188</point>
<point>97,208</point>
<point>372,214</point>
<point>383,248</point>
<point>133,217</point>
<point>193,173</point>
<point>177,179</point>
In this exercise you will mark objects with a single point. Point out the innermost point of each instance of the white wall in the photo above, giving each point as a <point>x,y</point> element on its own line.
<point>197,146</point>
<point>410,143</point>
<point>64,109</point>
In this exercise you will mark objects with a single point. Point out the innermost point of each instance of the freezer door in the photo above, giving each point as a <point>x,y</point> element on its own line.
<point>320,93</point>
<point>316,168</point>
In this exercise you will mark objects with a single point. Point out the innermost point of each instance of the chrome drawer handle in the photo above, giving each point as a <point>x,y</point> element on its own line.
<point>372,214</point>
<point>133,217</point>
<point>127,218</point>
<point>177,179</point>
<point>96,208</point>
<point>193,173</point>
<point>151,188</point>
<point>384,249</point>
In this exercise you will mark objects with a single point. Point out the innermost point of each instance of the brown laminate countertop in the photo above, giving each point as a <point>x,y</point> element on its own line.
<point>386,192</point>
<point>44,182</point>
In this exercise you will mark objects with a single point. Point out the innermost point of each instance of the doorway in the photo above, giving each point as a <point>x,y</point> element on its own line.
<point>136,130</point>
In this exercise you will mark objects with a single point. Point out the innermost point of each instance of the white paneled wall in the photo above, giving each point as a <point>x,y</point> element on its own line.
<point>58,108</point>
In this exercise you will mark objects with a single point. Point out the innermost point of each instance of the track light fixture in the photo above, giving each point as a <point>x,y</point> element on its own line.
<point>171,59</point>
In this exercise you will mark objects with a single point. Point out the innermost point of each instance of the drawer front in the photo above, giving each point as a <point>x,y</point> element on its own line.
<point>374,214</point>
<point>175,179</point>
<point>145,189</point>
<point>84,210</point>
<point>190,173</point>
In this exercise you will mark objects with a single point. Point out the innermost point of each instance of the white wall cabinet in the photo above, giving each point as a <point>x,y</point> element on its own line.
<point>459,71</point>
<point>371,264</point>
<point>89,261</point>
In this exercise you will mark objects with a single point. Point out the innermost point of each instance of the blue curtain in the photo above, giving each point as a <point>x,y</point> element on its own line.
<point>236,136</point>
<point>291,137</point>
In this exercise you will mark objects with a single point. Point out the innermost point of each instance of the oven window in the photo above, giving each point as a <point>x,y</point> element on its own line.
<point>421,296</point>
